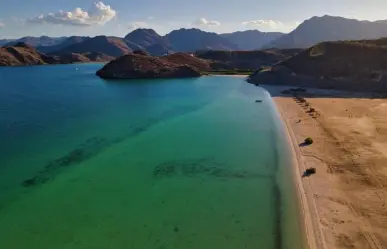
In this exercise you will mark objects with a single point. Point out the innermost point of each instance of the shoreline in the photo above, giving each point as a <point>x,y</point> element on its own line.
<point>308,216</point>
<point>230,75</point>
<point>305,203</point>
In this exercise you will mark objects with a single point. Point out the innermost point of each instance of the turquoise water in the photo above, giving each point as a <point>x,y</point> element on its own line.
<point>184,163</point>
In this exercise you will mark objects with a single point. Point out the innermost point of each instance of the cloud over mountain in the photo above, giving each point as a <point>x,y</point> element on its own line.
<point>204,22</point>
<point>98,14</point>
<point>271,25</point>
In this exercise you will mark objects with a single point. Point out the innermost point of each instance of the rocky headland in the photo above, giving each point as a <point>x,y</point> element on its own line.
<point>139,65</point>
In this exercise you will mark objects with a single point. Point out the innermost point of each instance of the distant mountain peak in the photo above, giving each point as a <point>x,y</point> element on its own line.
<point>330,28</point>
<point>143,30</point>
<point>148,40</point>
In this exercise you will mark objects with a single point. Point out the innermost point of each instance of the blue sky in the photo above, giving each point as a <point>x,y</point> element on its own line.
<point>118,17</point>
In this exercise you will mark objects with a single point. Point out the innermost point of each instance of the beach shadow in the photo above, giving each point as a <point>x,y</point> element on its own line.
<point>307,174</point>
<point>303,144</point>
<point>324,92</point>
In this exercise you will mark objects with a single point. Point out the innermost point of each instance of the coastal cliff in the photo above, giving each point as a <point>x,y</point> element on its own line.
<point>140,65</point>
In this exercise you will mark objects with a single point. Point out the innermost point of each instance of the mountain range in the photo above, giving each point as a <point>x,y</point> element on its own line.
<point>307,34</point>
<point>252,39</point>
<point>330,28</point>
<point>21,54</point>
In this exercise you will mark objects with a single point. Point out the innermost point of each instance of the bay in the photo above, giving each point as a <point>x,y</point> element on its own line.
<point>179,163</point>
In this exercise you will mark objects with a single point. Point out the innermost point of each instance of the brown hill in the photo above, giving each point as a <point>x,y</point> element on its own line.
<point>348,65</point>
<point>190,60</point>
<point>21,54</point>
<point>112,46</point>
<point>24,55</point>
<point>245,60</point>
<point>339,59</point>
<point>138,66</point>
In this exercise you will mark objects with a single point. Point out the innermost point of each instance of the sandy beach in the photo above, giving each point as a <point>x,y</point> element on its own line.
<point>343,205</point>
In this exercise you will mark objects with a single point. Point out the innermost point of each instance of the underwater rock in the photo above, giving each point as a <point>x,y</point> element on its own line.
<point>202,166</point>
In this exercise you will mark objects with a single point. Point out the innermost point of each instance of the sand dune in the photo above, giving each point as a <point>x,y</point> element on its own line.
<point>346,201</point>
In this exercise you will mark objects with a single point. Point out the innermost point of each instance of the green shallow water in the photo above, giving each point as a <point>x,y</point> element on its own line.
<point>192,163</point>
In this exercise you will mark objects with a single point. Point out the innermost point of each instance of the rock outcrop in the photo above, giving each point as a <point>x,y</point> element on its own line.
<point>139,66</point>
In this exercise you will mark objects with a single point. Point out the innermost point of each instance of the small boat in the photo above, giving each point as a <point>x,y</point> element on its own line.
<point>258,101</point>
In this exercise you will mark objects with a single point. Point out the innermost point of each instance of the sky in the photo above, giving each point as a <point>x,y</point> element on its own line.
<point>20,18</point>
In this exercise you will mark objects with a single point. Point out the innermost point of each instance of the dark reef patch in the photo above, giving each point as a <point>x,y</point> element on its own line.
<point>202,166</point>
<point>81,153</point>
<point>95,145</point>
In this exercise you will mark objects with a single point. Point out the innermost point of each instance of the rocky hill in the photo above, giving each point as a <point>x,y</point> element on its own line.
<point>150,41</point>
<point>139,66</point>
<point>330,28</point>
<point>112,46</point>
<point>190,60</point>
<point>251,39</point>
<point>245,60</point>
<point>22,54</point>
<point>349,65</point>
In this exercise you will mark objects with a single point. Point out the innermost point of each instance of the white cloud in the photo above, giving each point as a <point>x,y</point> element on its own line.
<point>204,22</point>
<point>150,18</point>
<point>98,14</point>
<point>138,25</point>
<point>272,25</point>
<point>2,25</point>
<point>269,23</point>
